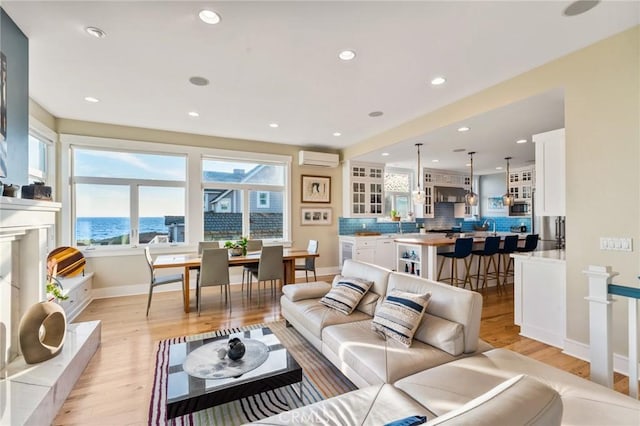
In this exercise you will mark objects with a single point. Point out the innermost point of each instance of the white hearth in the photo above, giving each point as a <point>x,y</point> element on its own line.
<point>27,234</point>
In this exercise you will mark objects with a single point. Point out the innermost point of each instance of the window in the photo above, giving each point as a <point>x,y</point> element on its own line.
<point>397,193</point>
<point>244,198</point>
<point>40,157</point>
<point>127,198</point>
<point>262,199</point>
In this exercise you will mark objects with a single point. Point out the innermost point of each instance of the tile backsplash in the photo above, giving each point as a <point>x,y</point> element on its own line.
<point>443,219</point>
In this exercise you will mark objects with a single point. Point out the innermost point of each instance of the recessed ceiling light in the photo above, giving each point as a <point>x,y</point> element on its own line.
<point>438,81</point>
<point>464,129</point>
<point>95,32</point>
<point>375,114</point>
<point>499,168</point>
<point>337,134</point>
<point>274,125</point>
<point>435,161</point>
<point>579,7</point>
<point>468,164</point>
<point>459,150</point>
<point>521,141</point>
<point>347,55</point>
<point>209,17</point>
<point>194,114</point>
<point>91,99</point>
<point>385,154</point>
<point>198,81</point>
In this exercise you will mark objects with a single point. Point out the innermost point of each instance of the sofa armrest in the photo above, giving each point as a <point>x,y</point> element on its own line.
<point>521,400</point>
<point>315,290</point>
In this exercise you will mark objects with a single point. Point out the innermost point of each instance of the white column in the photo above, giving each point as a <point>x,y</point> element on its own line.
<point>600,324</point>
<point>633,347</point>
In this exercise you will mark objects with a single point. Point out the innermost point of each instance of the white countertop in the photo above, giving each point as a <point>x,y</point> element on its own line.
<point>542,256</point>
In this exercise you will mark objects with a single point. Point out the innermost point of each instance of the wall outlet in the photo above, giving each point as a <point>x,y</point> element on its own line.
<point>616,244</point>
<point>364,226</point>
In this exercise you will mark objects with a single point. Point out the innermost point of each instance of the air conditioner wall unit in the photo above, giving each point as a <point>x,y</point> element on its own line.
<point>318,159</point>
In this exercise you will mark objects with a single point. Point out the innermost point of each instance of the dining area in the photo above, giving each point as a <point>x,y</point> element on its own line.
<point>261,264</point>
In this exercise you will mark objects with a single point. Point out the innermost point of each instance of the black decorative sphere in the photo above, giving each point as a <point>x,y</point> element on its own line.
<point>236,349</point>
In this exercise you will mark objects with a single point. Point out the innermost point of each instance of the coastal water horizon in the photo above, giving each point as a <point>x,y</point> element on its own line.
<point>101,228</point>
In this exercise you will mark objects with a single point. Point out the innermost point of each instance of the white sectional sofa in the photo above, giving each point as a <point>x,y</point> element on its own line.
<point>448,374</point>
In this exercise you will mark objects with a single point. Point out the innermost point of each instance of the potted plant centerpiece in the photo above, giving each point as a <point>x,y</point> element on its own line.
<point>237,248</point>
<point>395,216</point>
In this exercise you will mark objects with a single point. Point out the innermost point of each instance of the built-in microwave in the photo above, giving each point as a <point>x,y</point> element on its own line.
<point>520,208</point>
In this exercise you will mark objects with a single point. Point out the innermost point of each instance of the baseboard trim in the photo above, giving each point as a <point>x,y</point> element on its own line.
<point>581,351</point>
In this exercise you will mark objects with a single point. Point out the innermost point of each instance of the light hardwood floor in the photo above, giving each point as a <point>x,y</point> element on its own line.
<point>116,385</point>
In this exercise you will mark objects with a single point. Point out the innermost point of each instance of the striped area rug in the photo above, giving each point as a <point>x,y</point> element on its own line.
<point>321,380</point>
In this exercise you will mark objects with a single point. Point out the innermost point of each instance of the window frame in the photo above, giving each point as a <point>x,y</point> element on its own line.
<point>194,186</point>
<point>49,138</point>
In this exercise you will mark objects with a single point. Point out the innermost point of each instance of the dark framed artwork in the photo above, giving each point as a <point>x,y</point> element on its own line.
<point>3,115</point>
<point>316,189</point>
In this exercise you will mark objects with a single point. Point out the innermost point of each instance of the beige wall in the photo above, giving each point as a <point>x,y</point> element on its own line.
<point>602,121</point>
<point>133,267</point>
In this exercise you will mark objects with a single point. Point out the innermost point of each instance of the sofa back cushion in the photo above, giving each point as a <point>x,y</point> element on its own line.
<point>521,400</point>
<point>441,333</point>
<point>370,272</point>
<point>454,304</point>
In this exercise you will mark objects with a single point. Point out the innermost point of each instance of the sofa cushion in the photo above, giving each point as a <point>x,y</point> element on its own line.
<point>399,315</point>
<point>584,402</point>
<point>346,293</point>
<point>313,316</point>
<point>355,345</point>
<point>441,333</point>
<point>373,405</point>
<point>520,400</point>
<point>367,304</point>
<point>314,290</point>
<point>451,303</point>
<point>377,274</point>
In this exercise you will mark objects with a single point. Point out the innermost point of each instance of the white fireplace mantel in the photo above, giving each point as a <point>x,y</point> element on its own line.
<point>27,234</point>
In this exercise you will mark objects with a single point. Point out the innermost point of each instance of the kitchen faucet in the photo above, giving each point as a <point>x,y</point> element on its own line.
<point>486,223</point>
<point>400,227</point>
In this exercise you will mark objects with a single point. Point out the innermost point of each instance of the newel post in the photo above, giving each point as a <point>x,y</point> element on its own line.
<point>600,324</point>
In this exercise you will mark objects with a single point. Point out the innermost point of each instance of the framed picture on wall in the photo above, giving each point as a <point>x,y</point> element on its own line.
<point>495,204</point>
<point>316,189</point>
<point>316,216</point>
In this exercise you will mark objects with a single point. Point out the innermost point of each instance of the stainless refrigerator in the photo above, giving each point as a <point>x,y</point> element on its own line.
<point>551,229</point>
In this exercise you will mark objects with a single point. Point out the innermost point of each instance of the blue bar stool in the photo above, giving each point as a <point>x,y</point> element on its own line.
<point>510,246</point>
<point>491,247</point>
<point>462,250</point>
<point>530,244</point>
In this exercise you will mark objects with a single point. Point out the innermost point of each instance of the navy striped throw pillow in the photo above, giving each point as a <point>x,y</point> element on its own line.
<point>399,315</point>
<point>346,294</point>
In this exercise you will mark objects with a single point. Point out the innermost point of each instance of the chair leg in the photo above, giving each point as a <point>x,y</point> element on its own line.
<point>306,274</point>
<point>149,298</point>
<point>440,270</point>
<point>198,301</point>
<point>467,276</point>
<point>314,275</point>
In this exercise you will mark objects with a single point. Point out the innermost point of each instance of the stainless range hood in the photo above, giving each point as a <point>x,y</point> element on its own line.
<point>449,194</point>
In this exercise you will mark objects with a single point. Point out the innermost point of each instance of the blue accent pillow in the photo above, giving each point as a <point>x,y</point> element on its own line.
<point>399,315</point>
<point>346,293</point>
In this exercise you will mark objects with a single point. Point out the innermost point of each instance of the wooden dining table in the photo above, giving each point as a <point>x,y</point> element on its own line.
<point>190,261</point>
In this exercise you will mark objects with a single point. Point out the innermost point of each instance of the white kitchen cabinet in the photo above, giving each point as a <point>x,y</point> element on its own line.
<point>365,194</point>
<point>521,182</point>
<point>540,295</point>
<point>550,173</point>
<point>385,253</point>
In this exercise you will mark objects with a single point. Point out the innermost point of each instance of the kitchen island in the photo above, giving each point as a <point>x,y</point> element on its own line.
<point>540,295</point>
<point>418,254</point>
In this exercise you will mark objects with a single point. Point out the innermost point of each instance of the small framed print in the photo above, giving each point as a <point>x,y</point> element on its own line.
<point>316,189</point>
<point>316,216</point>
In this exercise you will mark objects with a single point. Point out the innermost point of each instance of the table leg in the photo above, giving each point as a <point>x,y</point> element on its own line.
<point>289,271</point>
<point>186,290</point>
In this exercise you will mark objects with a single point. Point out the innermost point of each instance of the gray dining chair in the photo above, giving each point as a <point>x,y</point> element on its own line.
<point>252,268</point>
<point>201,246</point>
<point>309,261</point>
<point>270,268</point>
<point>161,280</point>
<point>214,271</point>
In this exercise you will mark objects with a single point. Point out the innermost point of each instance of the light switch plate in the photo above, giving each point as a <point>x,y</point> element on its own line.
<point>616,244</point>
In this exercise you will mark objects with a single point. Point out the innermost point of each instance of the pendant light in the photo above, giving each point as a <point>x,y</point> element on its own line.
<point>507,198</point>
<point>471,198</point>
<point>418,194</point>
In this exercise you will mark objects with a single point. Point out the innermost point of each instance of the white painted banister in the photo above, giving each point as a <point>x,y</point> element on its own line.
<point>600,326</point>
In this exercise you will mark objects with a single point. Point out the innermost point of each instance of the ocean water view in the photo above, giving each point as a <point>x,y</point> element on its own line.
<point>100,228</point>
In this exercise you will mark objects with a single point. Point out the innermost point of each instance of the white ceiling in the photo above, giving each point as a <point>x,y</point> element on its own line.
<point>277,62</point>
